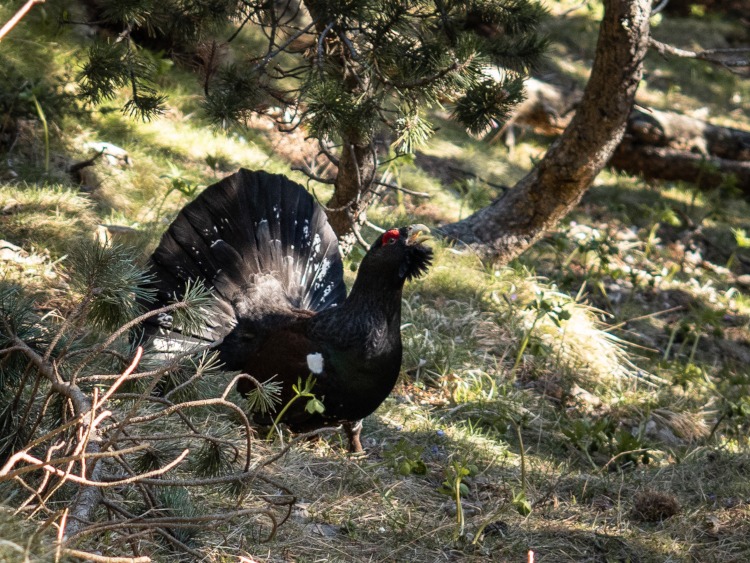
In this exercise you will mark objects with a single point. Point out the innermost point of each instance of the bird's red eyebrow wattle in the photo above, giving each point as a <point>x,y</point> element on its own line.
<point>389,235</point>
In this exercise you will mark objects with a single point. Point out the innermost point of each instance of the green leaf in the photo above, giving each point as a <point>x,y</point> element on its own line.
<point>315,406</point>
<point>521,504</point>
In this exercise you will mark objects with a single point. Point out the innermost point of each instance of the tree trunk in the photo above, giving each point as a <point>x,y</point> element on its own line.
<point>511,224</point>
<point>354,187</point>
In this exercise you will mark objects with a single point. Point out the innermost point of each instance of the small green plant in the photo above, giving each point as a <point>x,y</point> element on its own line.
<point>43,119</point>
<point>588,435</point>
<point>542,307</point>
<point>602,435</point>
<point>406,458</point>
<point>301,391</point>
<point>454,487</point>
<point>685,374</point>
<point>735,415</point>
<point>742,240</point>
<point>521,503</point>
<point>177,183</point>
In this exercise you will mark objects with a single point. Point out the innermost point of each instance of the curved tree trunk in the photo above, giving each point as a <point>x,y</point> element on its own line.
<point>357,164</point>
<point>511,224</point>
<point>353,188</point>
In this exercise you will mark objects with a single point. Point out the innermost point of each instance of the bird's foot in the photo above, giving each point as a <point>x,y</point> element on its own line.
<point>353,431</point>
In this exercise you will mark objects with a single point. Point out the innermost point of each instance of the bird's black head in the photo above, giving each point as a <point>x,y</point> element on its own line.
<point>398,255</point>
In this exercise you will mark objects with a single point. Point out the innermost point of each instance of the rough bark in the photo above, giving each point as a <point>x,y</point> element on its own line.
<point>357,163</point>
<point>353,191</point>
<point>657,144</point>
<point>508,226</point>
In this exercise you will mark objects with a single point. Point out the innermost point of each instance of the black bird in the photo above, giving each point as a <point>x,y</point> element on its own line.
<point>265,248</point>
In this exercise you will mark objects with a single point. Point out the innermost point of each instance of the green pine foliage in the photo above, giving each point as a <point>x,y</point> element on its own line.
<point>157,415</point>
<point>348,68</point>
<point>115,284</point>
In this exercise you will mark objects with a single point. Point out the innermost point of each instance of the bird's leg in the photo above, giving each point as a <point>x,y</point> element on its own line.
<point>353,430</point>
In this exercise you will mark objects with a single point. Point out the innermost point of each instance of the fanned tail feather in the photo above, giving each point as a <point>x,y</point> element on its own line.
<point>249,229</point>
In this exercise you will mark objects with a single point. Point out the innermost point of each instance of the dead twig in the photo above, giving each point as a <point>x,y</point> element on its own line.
<point>12,22</point>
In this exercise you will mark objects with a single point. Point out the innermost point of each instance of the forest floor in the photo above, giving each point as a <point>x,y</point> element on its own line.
<point>619,433</point>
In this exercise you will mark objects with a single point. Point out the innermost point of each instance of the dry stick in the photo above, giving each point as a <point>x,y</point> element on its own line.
<point>173,364</point>
<point>621,454</point>
<point>125,328</point>
<point>17,18</point>
<point>9,473</point>
<point>88,497</point>
<point>656,314</point>
<point>198,373</point>
<point>73,317</point>
<point>145,396</point>
<point>39,464</point>
<point>47,477</point>
<point>60,532</point>
<point>172,521</point>
<point>31,400</point>
<point>103,559</point>
<point>235,477</point>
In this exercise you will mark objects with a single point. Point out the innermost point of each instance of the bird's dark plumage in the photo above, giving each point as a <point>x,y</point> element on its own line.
<point>265,248</point>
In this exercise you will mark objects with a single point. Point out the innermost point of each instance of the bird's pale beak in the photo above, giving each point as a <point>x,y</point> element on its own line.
<point>417,234</point>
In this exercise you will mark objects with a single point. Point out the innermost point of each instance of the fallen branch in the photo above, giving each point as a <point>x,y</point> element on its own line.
<point>657,144</point>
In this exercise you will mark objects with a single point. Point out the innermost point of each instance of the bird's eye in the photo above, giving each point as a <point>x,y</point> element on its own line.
<point>389,237</point>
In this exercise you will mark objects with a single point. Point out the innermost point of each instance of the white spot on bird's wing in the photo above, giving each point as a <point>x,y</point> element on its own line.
<point>315,363</point>
<point>324,265</point>
<point>316,243</point>
<point>327,292</point>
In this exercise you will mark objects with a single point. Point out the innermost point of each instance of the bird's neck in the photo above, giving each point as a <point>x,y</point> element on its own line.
<point>372,295</point>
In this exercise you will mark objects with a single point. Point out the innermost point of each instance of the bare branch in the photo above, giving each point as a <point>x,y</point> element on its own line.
<point>724,57</point>
<point>12,22</point>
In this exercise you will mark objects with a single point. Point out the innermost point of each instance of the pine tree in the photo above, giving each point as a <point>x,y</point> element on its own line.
<point>345,69</point>
<point>81,403</point>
